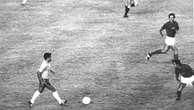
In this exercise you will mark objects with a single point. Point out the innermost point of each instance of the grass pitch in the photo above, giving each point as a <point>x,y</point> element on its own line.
<point>96,53</point>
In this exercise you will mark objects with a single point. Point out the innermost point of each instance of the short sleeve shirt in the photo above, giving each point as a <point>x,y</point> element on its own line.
<point>44,68</point>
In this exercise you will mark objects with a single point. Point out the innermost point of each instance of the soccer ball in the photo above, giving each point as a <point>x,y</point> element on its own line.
<point>86,100</point>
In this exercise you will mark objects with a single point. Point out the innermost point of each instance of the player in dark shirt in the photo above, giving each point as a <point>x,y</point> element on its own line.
<point>171,27</point>
<point>184,75</point>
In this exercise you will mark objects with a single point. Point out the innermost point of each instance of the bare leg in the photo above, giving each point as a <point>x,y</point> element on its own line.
<point>179,90</point>
<point>126,11</point>
<point>159,51</point>
<point>175,50</point>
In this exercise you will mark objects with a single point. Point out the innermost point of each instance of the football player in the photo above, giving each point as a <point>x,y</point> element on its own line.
<point>128,5</point>
<point>184,75</point>
<point>171,27</point>
<point>43,77</point>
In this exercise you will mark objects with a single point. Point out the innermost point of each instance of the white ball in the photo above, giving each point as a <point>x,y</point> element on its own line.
<point>86,100</point>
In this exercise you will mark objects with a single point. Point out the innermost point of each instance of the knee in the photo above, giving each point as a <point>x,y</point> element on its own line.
<point>175,52</point>
<point>40,90</point>
<point>53,89</point>
<point>192,83</point>
<point>175,49</point>
<point>183,85</point>
<point>164,51</point>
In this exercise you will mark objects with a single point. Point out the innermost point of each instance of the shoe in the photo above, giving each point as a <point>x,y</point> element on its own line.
<point>148,56</point>
<point>63,103</point>
<point>125,16</point>
<point>178,98</point>
<point>22,4</point>
<point>30,104</point>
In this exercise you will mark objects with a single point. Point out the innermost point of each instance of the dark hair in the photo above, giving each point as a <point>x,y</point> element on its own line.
<point>178,62</point>
<point>47,55</point>
<point>171,14</point>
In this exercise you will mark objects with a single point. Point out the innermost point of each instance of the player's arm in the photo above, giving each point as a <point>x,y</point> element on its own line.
<point>53,72</point>
<point>39,74</point>
<point>40,71</point>
<point>177,74</point>
<point>161,30</point>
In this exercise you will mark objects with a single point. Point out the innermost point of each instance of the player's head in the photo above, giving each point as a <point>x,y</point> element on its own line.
<point>171,16</point>
<point>47,56</point>
<point>177,63</point>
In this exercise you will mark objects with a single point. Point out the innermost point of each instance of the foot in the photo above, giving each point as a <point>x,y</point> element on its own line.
<point>63,103</point>
<point>23,4</point>
<point>148,56</point>
<point>125,16</point>
<point>178,98</point>
<point>30,104</point>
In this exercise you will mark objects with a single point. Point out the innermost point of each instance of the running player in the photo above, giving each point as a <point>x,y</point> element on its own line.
<point>184,75</point>
<point>171,28</point>
<point>128,5</point>
<point>43,74</point>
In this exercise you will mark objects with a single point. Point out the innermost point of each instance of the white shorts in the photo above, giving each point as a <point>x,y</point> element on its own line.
<point>170,41</point>
<point>187,81</point>
<point>130,2</point>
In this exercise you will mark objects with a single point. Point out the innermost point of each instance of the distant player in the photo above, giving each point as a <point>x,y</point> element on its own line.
<point>128,5</point>
<point>43,78</point>
<point>171,28</point>
<point>24,2</point>
<point>184,75</point>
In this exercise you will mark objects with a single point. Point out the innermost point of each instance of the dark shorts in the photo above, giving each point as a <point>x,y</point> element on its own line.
<point>133,5</point>
<point>46,84</point>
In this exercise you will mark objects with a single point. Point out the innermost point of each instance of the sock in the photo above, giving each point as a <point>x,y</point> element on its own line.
<point>56,96</point>
<point>126,10</point>
<point>35,96</point>
<point>176,57</point>
<point>156,52</point>
<point>178,94</point>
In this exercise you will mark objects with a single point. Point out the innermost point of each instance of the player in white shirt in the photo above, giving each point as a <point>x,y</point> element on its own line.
<point>43,77</point>
<point>128,4</point>
<point>24,2</point>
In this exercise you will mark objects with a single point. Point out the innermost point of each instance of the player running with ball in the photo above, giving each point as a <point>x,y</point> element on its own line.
<point>184,75</point>
<point>171,28</point>
<point>42,74</point>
